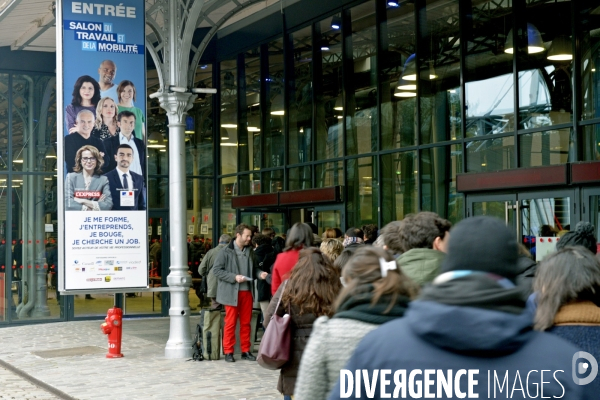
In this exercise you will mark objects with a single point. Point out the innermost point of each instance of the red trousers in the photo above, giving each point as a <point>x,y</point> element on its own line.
<point>244,312</point>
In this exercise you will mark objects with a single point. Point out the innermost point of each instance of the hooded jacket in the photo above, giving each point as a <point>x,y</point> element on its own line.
<point>421,265</point>
<point>441,337</point>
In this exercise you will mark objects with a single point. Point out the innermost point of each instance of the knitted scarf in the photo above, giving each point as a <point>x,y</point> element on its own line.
<point>578,313</point>
<point>349,240</point>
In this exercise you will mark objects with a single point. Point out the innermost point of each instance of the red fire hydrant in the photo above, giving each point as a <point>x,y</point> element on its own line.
<point>113,327</point>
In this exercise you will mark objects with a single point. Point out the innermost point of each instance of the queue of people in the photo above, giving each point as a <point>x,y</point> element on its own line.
<point>420,295</point>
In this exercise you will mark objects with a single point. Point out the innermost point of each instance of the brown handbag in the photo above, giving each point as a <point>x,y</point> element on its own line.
<point>274,349</point>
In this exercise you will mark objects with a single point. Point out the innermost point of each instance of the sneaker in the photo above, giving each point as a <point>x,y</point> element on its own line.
<point>229,357</point>
<point>248,356</point>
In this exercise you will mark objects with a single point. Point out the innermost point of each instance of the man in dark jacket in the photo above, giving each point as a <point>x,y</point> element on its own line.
<point>468,333</point>
<point>236,268</point>
<point>205,270</point>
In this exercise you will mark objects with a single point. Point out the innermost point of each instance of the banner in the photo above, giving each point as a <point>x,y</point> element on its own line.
<point>102,76</point>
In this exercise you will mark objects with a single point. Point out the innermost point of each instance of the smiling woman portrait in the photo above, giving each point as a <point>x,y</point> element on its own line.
<point>86,189</point>
<point>86,95</point>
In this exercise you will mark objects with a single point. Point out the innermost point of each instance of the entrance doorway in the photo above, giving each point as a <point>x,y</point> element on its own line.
<point>282,219</point>
<point>534,215</point>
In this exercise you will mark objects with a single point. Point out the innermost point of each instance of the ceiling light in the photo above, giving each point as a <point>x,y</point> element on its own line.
<point>278,112</point>
<point>228,126</point>
<point>336,22</point>
<point>409,72</point>
<point>393,3</point>
<point>405,94</point>
<point>51,153</point>
<point>324,45</point>
<point>156,141</point>
<point>561,49</point>
<point>403,84</point>
<point>534,41</point>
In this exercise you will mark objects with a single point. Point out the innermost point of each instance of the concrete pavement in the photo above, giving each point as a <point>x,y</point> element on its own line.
<point>69,357</point>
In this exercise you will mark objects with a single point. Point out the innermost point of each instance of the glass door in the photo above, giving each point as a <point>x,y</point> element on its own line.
<point>499,206</point>
<point>329,217</point>
<point>264,219</point>
<point>544,218</point>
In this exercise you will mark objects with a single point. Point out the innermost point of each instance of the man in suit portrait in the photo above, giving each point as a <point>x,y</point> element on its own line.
<point>126,122</point>
<point>126,186</point>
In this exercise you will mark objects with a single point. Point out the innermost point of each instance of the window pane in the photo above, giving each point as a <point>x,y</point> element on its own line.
<point>489,71</point>
<point>545,94</point>
<point>158,194</point>
<point>362,191</point>
<point>158,145</point>
<point>398,103</point>
<point>439,77</point>
<point>300,178</point>
<point>228,217</point>
<point>545,148</point>
<point>301,96</point>
<point>4,127</point>
<point>361,111</point>
<point>199,207</point>
<point>229,117</point>
<point>330,107</point>
<point>491,155</point>
<point>272,181</point>
<point>199,128</point>
<point>330,174</point>
<point>439,166</point>
<point>590,53</point>
<point>249,184</point>
<point>400,192</point>
<point>249,130</point>
<point>274,139</point>
<point>591,142</point>
<point>33,250</point>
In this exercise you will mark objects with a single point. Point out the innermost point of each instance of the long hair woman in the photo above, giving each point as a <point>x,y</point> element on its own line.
<point>308,294</point>
<point>568,298</point>
<point>105,125</point>
<point>375,291</point>
<point>86,95</point>
<point>299,237</point>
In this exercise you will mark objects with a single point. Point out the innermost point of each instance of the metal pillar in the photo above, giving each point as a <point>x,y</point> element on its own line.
<point>179,281</point>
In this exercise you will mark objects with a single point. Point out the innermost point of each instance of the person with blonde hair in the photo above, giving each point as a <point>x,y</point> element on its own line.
<point>332,248</point>
<point>329,233</point>
<point>106,125</point>
<point>375,292</point>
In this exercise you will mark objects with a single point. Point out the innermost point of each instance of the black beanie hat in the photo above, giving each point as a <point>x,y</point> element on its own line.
<point>482,244</point>
<point>582,236</point>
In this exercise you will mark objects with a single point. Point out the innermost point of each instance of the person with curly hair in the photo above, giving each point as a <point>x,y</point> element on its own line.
<point>309,293</point>
<point>332,248</point>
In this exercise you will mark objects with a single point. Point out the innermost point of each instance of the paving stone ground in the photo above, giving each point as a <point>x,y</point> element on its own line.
<point>144,373</point>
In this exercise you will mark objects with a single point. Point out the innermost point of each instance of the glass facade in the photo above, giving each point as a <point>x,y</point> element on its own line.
<point>389,102</point>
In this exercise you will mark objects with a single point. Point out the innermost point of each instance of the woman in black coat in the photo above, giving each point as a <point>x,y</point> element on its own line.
<point>265,254</point>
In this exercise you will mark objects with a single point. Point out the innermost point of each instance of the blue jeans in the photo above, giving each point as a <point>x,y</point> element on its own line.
<point>287,397</point>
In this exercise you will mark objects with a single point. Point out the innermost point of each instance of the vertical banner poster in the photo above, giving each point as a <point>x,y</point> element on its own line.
<point>104,144</point>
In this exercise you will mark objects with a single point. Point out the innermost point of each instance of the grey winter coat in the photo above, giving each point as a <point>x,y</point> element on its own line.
<point>226,268</point>
<point>206,268</point>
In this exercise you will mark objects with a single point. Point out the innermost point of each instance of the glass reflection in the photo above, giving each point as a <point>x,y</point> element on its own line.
<point>362,191</point>
<point>330,174</point>
<point>489,82</point>
<point>398,104</point>
<point>590,58</point>
<point>199,128</point>
<point>400,194</point>
<point>439,78</point>
<point>274,139</point>
<point>228,130</point>
<point>301,98</point>
<point>329,101</point>
<point>361,111</point>
<point>491,154</point>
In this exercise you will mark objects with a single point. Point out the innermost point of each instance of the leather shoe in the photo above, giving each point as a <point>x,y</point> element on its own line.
<point>248,356</point>
<point>229,357</point>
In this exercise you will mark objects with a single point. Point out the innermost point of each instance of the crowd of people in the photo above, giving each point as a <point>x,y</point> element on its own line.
<point>417,295</point>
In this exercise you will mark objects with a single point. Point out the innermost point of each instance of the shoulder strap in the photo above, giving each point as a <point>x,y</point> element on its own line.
<point>279,299</point>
